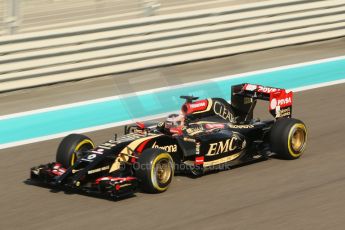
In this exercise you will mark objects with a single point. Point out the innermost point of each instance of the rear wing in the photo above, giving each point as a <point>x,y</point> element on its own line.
<point>244,96</point>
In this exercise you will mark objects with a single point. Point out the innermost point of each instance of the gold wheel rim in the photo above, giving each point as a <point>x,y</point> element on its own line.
<point>163,171</point>
<point>298,139</point>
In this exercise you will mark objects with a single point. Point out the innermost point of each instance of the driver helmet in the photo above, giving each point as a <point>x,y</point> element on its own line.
<point>174,121</point>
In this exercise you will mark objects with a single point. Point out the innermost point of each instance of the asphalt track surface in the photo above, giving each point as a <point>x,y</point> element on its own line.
<point>303,194</point>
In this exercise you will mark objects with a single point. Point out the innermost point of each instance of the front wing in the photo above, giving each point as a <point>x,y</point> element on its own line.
<point>55,176</point>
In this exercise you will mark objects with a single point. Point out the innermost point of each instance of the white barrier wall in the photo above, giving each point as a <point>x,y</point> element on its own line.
<point>38,15</point>
<point>33,59</point>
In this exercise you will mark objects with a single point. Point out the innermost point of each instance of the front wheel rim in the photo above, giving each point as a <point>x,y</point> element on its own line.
<point>163,171</point>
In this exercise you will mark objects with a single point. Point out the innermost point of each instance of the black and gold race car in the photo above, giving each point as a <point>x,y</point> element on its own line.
<point>207,135</point>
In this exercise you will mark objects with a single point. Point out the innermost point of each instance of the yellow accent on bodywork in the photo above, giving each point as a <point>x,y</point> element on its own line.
<point>222,160</point>
<point>123,156</point>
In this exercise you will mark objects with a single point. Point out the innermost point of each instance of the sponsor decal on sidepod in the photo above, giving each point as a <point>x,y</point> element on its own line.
<point>222,147</point>
<point>168,148</point>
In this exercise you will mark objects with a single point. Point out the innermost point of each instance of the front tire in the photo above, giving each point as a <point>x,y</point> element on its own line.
<point>155,170</point>
<point>71,149</point>
<point>288,138</point>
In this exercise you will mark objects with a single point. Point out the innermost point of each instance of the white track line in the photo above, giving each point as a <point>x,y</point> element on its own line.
<point>116,124</point>
<point>91,129</point>
<point>320,85</point>
<point>88,102</point>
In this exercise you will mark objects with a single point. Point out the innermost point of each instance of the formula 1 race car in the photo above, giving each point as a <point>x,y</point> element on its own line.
<point>207,135</point>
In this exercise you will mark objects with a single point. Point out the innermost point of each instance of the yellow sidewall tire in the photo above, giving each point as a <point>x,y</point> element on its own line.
<point>70,146</point>
<point>282,133</point>
<point>159,157</point>
<point>78,147</point>
<point>146,171</point>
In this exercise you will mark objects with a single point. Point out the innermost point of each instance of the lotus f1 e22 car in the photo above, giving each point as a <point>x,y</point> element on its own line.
<point>206,134</point>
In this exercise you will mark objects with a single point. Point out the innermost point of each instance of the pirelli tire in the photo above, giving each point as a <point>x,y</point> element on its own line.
<point>288,138</point>
<point>155,170</point>
<point>71,148</point>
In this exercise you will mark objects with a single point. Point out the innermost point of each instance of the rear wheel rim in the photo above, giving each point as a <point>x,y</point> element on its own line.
<point>298,138</point>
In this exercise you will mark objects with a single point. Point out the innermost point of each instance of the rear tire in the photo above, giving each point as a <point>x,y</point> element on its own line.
<point>71,148</point>
<point>288,138</point>
<point>155,170</point>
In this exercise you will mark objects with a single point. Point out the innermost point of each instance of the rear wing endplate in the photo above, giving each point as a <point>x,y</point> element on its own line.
<point>280,100</point>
